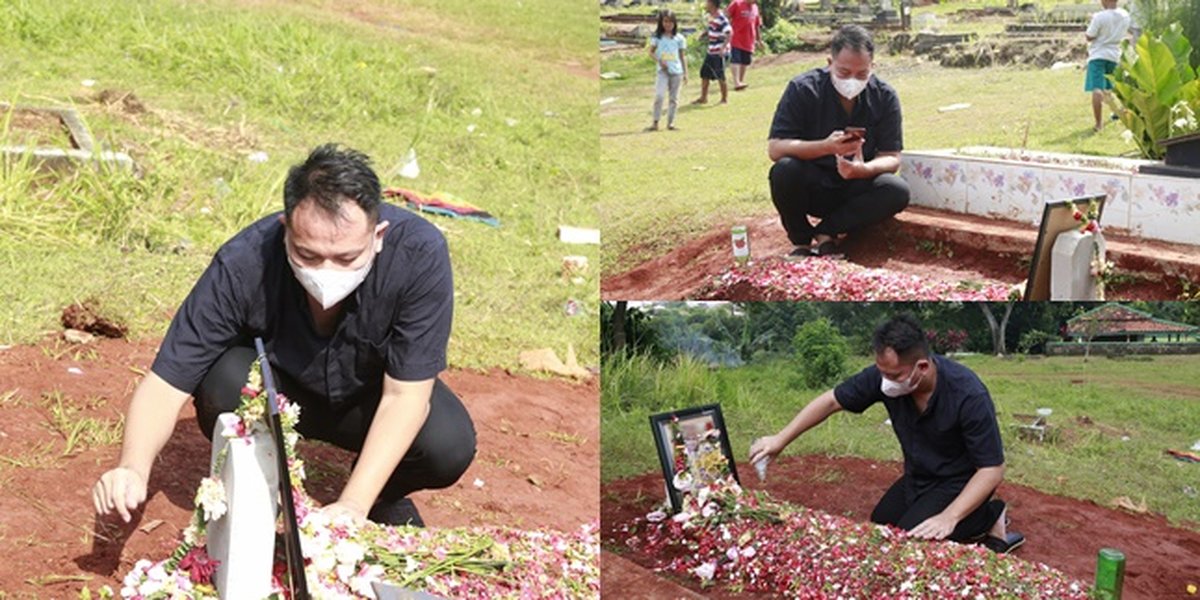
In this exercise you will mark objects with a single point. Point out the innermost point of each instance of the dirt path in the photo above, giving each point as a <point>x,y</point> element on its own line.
<point>528,430</point>
<point>1062,532</point>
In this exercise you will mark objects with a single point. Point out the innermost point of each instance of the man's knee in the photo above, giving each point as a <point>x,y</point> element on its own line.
<point>221,389</point>
<point>893,192</point>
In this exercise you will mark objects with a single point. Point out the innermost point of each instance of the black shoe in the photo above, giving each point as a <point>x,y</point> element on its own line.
<point>396,512</point>
<point>827,248</point>
<point>1011,541</point>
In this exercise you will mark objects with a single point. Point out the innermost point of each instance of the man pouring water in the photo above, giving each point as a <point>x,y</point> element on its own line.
<point>946,423</point>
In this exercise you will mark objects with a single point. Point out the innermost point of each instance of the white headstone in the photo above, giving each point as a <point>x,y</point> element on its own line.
<point>244,538</point>
<point>1071,266</point>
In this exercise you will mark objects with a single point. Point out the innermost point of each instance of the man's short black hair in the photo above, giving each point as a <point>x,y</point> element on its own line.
<point>854,37</point>
<point>716,3</point>
<point>329,176</point>
<point>903,334</point>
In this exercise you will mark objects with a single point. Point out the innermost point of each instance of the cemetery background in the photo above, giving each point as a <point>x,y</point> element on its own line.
<point>691,185</point>
<point>1112,420</point>
<point>213,101</point>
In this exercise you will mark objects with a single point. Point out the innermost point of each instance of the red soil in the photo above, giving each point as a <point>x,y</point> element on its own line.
<point>1063,533</point>
<point>928,243</point>
<point>529,431</point>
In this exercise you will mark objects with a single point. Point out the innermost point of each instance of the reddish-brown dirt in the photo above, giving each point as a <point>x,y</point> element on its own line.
<point>932,244</point>
<point>1063,533</point>
<point>529,430</point>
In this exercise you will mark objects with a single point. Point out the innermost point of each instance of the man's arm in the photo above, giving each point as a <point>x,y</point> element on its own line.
<point>810,416</point>
<point>153,411</point>
<point>978,488</point>
<point>884,162</point>
<point>837,144</point>
<point>402,411</point>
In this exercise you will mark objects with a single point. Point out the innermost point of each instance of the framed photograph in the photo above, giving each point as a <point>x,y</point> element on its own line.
<point>1057,217</point>
<point>693,447</point>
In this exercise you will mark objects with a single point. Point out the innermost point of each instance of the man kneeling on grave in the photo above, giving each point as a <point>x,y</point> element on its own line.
<point>353,298</point>
<point>946,423</point>
<point>835,141</point>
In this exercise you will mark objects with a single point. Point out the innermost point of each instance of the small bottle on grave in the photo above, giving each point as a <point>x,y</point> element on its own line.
<point>1110,574</point>
<point>740,237</point>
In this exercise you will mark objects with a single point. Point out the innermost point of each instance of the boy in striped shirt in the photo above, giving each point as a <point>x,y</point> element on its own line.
<point>718,33</point>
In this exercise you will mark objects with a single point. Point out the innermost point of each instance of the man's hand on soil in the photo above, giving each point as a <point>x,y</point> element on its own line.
<point>122,490</point>
<point>936,527</point>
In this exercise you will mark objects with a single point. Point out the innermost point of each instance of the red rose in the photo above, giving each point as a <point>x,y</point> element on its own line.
<point>199,565</point>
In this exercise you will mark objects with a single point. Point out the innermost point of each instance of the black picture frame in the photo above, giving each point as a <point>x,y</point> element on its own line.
<point>1056,218</point>
<point>662,425</point>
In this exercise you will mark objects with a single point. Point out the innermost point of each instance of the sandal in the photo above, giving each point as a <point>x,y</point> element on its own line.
<point>827,248</point>
<point>1011,541</point>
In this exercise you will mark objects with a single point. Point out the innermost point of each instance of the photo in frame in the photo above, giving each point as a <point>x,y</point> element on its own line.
<point>693,447</point>
<point>1057,217</point>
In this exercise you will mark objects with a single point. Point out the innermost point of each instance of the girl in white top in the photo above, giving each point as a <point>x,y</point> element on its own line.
<point>667,47</point>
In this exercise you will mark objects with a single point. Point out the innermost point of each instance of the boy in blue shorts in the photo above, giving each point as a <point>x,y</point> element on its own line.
<point>713,69</point>
<point>1104,34</point>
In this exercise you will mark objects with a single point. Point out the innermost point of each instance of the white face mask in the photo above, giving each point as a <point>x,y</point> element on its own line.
<point>330,286</point>
<point>849,88</point>
<point>895,389</point>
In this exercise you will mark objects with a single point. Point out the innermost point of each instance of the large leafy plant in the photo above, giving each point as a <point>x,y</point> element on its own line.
<point>1159,90</point>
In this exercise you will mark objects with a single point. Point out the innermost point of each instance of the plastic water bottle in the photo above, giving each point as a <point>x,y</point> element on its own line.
<point>760,467</point>
<point>1110,574</point>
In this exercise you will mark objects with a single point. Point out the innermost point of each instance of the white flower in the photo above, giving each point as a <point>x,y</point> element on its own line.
<point>706,570</point>
<point>211,497</point>
<point>732,553</point>
<point>683,481</point>
<point>349,552</point>
<point>749,552</point>
<point>1127,136</point>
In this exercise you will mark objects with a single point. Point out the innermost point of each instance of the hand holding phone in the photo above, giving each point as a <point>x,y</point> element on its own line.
<point>858,133</point>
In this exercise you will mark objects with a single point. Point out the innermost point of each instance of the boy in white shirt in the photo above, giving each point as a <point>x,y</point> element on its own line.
<point>1104,35</point>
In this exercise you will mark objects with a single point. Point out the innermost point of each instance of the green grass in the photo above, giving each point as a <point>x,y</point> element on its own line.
<point>662,188</point>
<point>223,79</point>
<point>1154,401</point>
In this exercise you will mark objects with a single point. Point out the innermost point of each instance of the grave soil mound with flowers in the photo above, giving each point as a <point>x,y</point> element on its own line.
<point>744,541</point>
<point>828,279</point>
<point>343,557</point>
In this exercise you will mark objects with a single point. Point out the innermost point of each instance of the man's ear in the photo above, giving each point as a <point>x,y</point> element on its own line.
<point>829,61</point>
<point>380,230</point>
<point>283,220</point>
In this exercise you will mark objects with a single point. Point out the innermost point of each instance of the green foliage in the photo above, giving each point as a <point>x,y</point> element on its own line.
<point>781,37</point>
<point>1034,341</point>
<point>1154,16</point>
<point>821,352</point>
<point>1157,85</point>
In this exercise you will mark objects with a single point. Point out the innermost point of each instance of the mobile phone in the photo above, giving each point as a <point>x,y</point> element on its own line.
<point>857,132</point>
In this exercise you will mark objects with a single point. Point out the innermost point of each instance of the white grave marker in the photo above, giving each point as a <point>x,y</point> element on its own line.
<point>243,539</point>
<point>1071,259</point>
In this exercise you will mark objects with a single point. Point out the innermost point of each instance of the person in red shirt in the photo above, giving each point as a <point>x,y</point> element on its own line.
<point>746,21</point>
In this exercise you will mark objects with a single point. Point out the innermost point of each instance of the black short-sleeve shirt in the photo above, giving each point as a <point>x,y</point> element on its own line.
<point>396,322</point>
<point>810,110</point>
<point>956,435</point>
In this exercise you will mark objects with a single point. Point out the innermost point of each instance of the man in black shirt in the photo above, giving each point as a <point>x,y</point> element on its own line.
<point>836,141</point>
<point>353,299</point>
<point>946,424</point>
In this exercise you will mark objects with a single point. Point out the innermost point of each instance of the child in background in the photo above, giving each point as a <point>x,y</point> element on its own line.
<point>666,48</point>
<point>1104,35</point>
<point>713,69</point>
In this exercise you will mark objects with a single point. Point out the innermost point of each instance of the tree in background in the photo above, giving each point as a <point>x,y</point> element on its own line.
<point>637,334</point>
<point>997,328</point>
<point>821,353</point>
